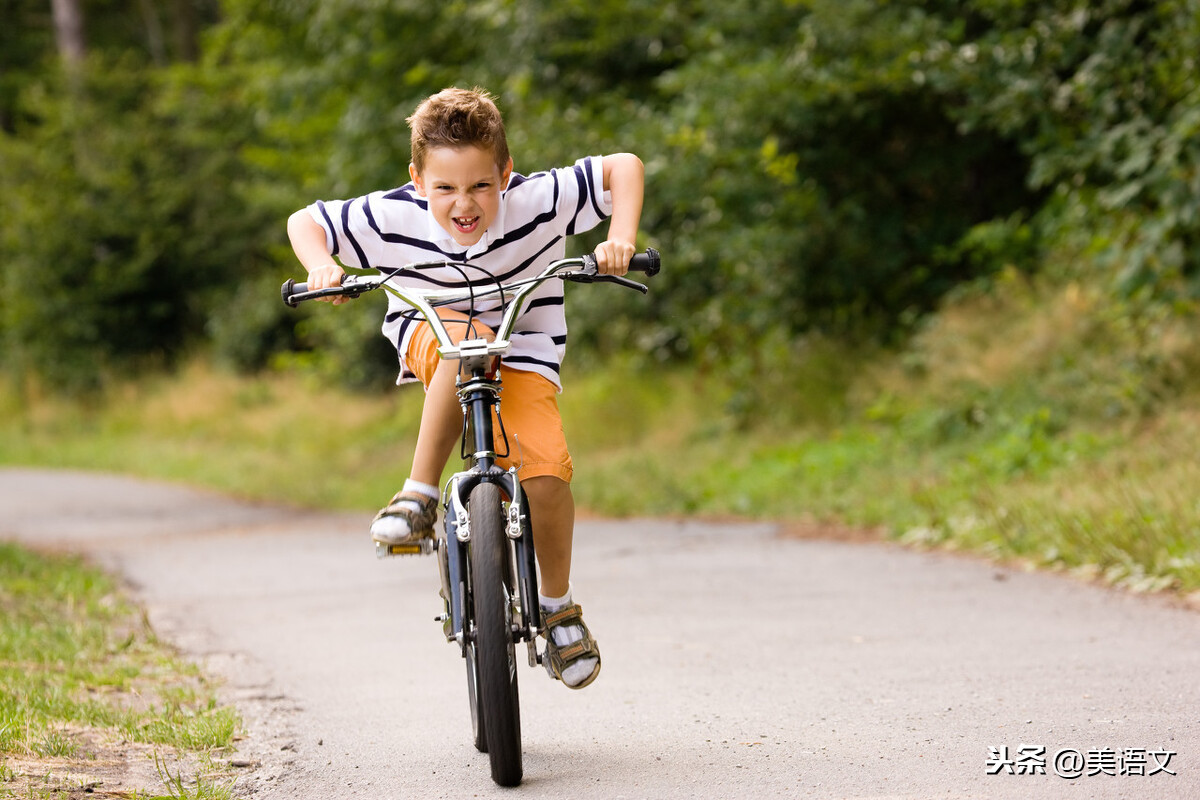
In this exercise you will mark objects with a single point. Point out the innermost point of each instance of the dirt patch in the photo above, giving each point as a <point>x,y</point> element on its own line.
<point>830,531</point>
<point>104,765</point>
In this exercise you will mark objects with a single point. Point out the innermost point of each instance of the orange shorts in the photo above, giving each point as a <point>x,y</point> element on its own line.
<point>537,444</point>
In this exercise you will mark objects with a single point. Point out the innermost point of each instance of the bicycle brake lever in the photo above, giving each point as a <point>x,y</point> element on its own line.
<point>628,284</point>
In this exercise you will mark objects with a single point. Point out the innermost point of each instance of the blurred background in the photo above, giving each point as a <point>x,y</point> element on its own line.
<point>932,267</point>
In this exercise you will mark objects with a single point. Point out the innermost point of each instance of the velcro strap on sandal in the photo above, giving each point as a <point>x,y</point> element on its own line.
<point>584,647</point>
<point>426,505</point>
<point>567,615</point>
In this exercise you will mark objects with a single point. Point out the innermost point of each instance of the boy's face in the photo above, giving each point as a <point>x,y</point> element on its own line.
<point>463,187</point>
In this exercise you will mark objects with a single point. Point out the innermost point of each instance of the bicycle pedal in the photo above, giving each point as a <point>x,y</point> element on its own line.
<point>423,547</point>
<point>535,657</point>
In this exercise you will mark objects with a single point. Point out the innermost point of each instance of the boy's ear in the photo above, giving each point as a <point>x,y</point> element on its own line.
<point>416,179</point>
<point>506,173</point>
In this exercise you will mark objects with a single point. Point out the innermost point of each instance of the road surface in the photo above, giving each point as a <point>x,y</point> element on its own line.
<point>737,662</point>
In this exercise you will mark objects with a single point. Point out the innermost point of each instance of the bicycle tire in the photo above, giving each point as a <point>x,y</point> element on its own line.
<point>495,651</point>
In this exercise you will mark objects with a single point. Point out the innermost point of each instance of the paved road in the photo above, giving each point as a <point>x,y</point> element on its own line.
<point>736,662</point>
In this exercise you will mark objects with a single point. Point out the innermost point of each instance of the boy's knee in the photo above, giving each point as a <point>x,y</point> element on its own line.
<point>547,490</point>
<point>546,484</point>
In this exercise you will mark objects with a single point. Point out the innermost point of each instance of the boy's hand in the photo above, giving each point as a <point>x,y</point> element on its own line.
<point>308,240</point>
<point>613,256</point>
<point>624,177</point>
<point>324,277</point>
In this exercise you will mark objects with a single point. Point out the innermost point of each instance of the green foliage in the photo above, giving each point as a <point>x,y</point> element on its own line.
<point>825,185</point>
<point>24,42</point>
<point>1102,97</point>
<point>125,221</point>
<point>816,165</point>
<point>343,346</point>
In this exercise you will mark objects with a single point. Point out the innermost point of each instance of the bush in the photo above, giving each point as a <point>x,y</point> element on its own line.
<point>125,221</point>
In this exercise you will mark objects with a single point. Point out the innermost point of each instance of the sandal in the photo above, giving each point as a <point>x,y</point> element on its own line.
<point>419,521</point>
<point>559,657</point>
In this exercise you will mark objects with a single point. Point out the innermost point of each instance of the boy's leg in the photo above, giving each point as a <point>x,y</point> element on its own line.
<point>441,425</point>
<point>552,506</point>
<point>539,450</point>
<point>413,510</point>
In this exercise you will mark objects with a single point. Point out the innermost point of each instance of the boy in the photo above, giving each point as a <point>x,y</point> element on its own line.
<point>465,204</point>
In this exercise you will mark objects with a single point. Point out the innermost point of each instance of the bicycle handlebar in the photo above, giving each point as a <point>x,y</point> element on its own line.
<point>513,297</point>
<point>649,263</point>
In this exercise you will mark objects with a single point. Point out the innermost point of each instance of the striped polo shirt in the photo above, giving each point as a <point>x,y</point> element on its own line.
<point>389,229</point>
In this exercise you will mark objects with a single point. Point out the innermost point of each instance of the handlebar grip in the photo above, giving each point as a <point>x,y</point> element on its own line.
<point>289,288</point>
<point>648,262</point>
<point>295,293</point>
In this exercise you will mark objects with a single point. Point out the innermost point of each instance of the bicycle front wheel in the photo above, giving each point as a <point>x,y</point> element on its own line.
<point>495,652</point>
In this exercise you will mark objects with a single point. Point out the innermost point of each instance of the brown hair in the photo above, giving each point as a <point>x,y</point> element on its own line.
<point>458,118</point>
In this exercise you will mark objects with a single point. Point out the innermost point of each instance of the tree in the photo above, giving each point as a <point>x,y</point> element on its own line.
<point>812,165</point>
<point>68,31</point>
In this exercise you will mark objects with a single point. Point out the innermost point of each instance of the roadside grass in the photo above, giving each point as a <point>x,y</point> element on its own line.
<point>1037,421</point>
<point>281,437</point>
<point>86,686</point>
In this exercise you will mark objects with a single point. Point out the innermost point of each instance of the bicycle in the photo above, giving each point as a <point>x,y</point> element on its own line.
<point>485,550</point>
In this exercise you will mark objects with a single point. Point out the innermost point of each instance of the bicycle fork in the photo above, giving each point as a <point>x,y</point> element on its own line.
<point>454,565</point>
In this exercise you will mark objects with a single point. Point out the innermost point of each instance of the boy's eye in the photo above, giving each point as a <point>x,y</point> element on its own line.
<point>445,187</point>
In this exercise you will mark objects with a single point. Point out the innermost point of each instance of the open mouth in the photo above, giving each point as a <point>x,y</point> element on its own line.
<point>465,224</point>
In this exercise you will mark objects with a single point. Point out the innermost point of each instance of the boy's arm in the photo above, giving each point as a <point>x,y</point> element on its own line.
<point>625,178</point>
<point>308,242</point>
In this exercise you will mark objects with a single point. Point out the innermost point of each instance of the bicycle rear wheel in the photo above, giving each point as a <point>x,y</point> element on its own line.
<point>495,653</point>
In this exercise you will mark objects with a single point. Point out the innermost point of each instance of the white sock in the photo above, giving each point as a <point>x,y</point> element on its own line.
<point>426,489</point>
<point>564,635</point>
<point>397,527</point>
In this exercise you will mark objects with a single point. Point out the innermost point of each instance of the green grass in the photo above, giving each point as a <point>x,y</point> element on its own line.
<point>284,438</point>
<point>81,672</point>
<point>1033,421</point>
